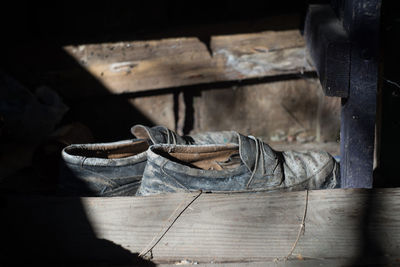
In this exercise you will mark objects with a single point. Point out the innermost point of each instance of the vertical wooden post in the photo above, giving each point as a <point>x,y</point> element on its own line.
<point>361,21</point>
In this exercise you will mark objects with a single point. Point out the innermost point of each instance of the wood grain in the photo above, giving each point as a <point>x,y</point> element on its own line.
<point>260,54</point>
<point>289,110</point>
<point>145,65</point>
<point>258,227</point>
<point>289,263</point>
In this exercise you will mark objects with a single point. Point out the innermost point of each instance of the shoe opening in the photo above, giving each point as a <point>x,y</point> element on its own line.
<point>203,157</point>
<point>109,151</point>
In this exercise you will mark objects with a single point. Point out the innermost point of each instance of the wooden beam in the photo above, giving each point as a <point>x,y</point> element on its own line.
<point>346,224</point>
<point>329,48</point>
<point>262,54</point>
<point>146,65</point>
<point>358,114</point>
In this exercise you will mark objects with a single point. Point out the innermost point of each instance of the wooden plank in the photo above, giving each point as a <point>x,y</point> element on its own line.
<point>260,54</point>
<point>137,66</point>
<point>145,65</point>
<point>259,227</point>
<point>329,48</point>
<point>288,263</point>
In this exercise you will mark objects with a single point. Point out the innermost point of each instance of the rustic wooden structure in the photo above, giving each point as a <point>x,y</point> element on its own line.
<point>330,227</point>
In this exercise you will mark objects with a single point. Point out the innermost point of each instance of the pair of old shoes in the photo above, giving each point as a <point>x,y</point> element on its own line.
<point>160,161</point>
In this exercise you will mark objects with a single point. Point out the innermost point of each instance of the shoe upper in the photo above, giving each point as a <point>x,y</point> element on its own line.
<point>221,137</point>
<point>246,165</point>
<point>183,168</point>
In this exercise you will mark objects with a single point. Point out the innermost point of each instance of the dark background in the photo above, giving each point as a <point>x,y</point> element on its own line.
<point>77,22</point>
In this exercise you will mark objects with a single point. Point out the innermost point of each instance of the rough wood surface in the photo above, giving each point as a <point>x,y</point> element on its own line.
<point>260,54</point>
<point>281,111</point>
<point>290,263</point>
<point>259,227</point>
<point>144,65</point>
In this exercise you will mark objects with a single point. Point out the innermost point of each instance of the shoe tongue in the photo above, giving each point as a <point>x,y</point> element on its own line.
<point>248,154</point>
<point>157,134</point>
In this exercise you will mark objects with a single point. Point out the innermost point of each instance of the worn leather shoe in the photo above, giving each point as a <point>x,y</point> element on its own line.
<point>111,169</point>
<point>247,164</point>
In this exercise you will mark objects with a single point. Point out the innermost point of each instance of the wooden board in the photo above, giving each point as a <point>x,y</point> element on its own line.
<point>145,65</point>
<point>289,263</point>
<point>351,225</point>
<point>260,54</point>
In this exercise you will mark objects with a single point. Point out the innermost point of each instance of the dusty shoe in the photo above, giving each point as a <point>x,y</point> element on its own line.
<point>250,165</point>
<point>111,169</point>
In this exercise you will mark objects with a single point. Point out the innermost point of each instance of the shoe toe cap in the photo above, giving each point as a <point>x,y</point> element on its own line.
<point>309,170</point>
